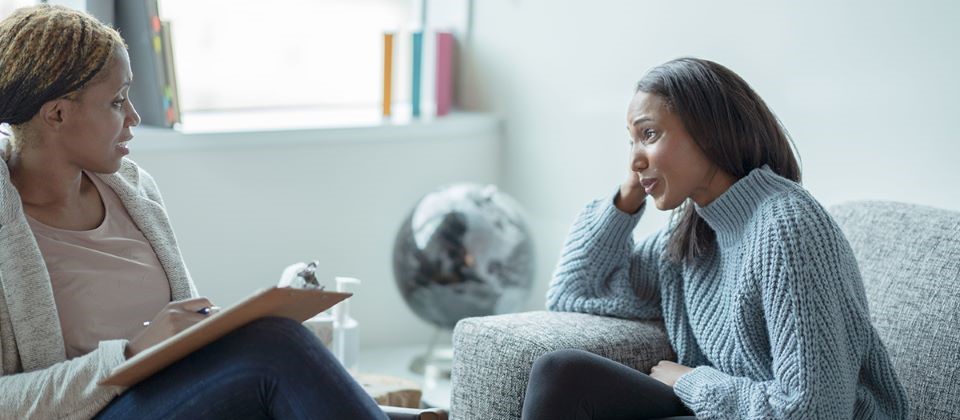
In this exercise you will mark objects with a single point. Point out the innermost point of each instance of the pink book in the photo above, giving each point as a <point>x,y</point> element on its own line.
<point>444,72</point>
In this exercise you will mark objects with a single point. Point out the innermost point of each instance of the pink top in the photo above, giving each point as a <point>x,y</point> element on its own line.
<point>106,281</point>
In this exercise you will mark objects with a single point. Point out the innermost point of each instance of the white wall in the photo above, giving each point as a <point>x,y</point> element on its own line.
<point>868,89</point>
<point>245,205</point>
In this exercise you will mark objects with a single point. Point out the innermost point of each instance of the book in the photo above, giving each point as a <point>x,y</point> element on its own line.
<point>171,95</point>
<point>417,40</point>
<point>387,72</point>
<point>296,304</point>
<point>428,79</point>
<point>139,24</point>
<point>444,75</point>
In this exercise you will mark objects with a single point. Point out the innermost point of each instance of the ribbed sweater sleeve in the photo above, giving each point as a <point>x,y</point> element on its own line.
<point>601,271</point>
<point>811,315</point>
<point>66,390</point>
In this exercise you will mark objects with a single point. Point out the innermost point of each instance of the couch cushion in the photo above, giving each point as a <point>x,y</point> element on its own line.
<point>909,256</point>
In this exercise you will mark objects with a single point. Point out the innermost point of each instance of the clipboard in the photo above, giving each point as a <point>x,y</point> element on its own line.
<point>296,304</point>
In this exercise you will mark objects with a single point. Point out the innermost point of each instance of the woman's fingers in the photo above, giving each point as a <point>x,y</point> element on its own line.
<point>175,317</point>
<point>193,304</point>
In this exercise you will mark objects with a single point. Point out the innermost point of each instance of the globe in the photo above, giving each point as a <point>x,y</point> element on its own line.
<point>464,251</point>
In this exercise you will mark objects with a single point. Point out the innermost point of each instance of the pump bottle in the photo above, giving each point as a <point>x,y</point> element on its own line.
<point>346,339</point>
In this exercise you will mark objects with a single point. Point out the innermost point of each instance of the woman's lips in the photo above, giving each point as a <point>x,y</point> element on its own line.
<point>648,184</point>
<point>122,147</point>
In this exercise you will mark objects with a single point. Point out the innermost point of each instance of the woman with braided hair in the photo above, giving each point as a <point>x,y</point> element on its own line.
<point>87,254</point>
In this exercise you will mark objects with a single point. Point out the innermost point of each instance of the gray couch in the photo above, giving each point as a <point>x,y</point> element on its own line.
<point>910,259</point>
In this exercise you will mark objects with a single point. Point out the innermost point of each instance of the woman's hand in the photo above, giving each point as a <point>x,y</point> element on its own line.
<point>668,372</point>
<point>175,317</point>
<point>631,194</point>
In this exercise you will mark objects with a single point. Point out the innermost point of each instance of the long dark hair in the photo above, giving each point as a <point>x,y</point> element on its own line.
<point>732,126</point>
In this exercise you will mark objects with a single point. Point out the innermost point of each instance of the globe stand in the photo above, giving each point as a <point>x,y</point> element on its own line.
<point>437,361</point>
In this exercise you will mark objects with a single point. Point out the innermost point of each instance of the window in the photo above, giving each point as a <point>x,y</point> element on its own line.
<point>240,54</point>
<point>8,6</point>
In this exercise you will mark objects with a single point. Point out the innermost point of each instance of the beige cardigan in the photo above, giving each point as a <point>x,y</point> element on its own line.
<point>36,380</point>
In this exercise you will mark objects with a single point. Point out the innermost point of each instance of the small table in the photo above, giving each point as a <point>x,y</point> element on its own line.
<point>390,390</point>
<point>395,361</point>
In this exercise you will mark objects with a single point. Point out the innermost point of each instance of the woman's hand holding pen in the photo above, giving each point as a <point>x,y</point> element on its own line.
<point>175,317</point>
<point>631,193</point>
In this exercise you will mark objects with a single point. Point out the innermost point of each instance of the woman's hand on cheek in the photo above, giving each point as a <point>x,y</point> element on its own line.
<point>631,194</point>
<point>668,372</point>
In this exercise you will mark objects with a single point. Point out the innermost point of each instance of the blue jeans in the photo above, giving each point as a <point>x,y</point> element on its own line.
<point>577,385</point>
<point>272,368</point>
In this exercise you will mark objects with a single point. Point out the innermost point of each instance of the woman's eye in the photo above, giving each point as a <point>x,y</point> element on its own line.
<point>649,134</point>
<point>644,137</point>
<point>119,102</point>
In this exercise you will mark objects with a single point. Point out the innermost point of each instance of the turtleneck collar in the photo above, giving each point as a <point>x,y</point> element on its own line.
<point>729,213</point>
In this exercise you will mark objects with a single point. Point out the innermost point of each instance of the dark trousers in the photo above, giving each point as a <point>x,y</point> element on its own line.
<point>578,385</point>
<point>272,368</point>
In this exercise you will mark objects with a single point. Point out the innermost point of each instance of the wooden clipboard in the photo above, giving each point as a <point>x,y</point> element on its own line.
<point>296,304</point>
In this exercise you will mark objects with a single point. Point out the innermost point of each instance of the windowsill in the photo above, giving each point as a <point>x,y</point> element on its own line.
<point>291,127</point>
<point>295,118</point>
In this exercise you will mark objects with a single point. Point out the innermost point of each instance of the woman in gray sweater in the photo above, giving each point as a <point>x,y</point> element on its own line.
<point>87,254</point>
<point>758,289</point>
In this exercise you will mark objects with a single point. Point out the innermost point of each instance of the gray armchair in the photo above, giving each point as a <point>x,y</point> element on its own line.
<point>909,256</point>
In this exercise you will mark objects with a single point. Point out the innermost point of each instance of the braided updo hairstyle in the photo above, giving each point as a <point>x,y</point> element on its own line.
<point>48,52</point>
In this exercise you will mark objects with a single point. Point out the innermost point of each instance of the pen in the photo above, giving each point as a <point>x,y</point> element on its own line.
<point>206,310</point>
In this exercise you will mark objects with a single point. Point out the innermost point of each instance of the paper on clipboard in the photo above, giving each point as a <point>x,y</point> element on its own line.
<point>296,304</point>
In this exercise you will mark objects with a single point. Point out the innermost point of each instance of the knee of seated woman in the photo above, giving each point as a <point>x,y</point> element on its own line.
<point>562,363</point>
<point>276,337</point>
<point>275,323</point>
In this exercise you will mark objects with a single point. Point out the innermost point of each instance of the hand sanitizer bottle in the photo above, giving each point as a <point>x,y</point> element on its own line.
<point>346,340</point>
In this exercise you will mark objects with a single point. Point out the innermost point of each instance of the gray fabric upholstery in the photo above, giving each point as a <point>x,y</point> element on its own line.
<point>910,259</point>
<point>909,256</point>
<point>493,355</point>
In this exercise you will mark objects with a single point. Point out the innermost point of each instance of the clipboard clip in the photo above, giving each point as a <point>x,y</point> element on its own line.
<point>309,276</point>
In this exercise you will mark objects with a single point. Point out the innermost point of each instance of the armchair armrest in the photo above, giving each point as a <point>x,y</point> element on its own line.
<point>492,355</point>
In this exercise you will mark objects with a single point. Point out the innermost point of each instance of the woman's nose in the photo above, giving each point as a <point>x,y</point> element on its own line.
<point>133,116</point>
<point>638,159</point>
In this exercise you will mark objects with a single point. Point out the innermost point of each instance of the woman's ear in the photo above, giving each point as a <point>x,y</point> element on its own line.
<point>51,113</point>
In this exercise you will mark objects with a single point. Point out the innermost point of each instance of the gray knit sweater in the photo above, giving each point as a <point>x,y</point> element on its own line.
<point>774,318</point>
